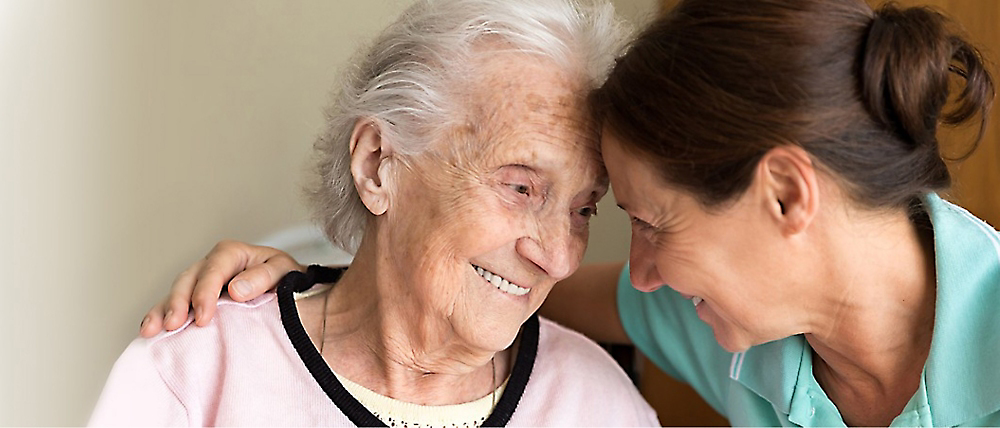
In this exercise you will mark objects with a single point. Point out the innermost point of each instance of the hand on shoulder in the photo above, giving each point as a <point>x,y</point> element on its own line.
<point>248,271</point>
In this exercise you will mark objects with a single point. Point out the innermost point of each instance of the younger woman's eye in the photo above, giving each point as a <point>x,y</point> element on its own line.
<point>642,225</point>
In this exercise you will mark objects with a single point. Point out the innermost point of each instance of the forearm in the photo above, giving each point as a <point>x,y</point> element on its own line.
<point>586,302</point>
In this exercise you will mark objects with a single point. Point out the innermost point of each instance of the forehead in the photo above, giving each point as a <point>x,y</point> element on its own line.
<point>523,106</point>
<point>634,180</point>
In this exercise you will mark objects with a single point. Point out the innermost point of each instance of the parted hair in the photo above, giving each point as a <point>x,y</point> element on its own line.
<point>709,88</point>
<point>402,81</point>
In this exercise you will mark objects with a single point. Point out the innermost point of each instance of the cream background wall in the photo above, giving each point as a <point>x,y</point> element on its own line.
<point>133,136</point>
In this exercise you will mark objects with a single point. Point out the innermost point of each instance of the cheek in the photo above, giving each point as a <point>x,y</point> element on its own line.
<point>430,232</point>
<point>579,237</point>
<point>671,269</point>
<point>485,225</point>
<point>685,268</point>
<point>578,247</point>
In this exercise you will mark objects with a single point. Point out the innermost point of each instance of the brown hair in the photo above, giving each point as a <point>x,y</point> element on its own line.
<point>708,89</point>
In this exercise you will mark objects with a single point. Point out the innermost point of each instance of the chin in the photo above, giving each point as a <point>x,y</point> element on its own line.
<point>494,336</point>
<point>730,343</point>
<point>495,342</point>
<point>733,349</point>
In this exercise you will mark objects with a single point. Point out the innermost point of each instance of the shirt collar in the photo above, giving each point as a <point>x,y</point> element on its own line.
<point>799,397</point>
<point>963,382</point>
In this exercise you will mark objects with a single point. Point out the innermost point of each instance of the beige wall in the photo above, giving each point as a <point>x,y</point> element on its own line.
<point>134,135</point>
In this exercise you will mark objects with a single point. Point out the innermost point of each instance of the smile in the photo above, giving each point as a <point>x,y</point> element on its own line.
<point>500,283</point>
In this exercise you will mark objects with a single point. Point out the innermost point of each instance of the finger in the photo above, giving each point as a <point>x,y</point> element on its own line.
<point>225,260</point>
<point>179,300</point>
<point>256,280</point>
<point>207,291</point>
<point>153,322</point>
<point>177,312</point>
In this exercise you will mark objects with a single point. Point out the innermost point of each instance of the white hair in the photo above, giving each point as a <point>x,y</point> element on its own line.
<point>402,81</point>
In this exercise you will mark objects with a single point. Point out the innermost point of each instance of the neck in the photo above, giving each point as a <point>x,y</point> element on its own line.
<point>873,330</point>
<point>378,337</point>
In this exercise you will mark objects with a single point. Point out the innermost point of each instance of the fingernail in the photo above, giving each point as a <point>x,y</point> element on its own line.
<point>197,313</point>
<point>242,288</point>
<point>143,323</point>
<point>169,313</point>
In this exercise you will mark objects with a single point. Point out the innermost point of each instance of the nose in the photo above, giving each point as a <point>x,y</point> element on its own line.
<point>554,248</point>
<point>642,265</point>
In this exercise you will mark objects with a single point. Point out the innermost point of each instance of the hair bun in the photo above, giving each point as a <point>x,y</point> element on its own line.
<point>909,55</point>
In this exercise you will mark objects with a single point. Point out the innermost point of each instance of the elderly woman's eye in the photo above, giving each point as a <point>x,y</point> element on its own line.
<point>587,211</point>
<point>520,188</point>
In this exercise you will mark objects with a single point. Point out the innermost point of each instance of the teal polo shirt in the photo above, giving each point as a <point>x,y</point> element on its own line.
<point>772,384</point>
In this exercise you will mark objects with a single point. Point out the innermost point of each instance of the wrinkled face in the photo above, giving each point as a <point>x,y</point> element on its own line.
<point>724,260</point>
<point>497,211</point>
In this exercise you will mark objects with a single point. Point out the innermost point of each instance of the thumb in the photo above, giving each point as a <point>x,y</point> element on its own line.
<point>258,279</point>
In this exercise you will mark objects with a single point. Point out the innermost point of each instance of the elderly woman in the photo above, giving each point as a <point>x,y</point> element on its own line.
<point>790,258</point>
<point>461,165</point>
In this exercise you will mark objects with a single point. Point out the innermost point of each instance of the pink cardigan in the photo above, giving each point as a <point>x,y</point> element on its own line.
<point>242,369</point>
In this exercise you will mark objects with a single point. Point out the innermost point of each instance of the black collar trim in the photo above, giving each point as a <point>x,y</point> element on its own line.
<point>296,282</point>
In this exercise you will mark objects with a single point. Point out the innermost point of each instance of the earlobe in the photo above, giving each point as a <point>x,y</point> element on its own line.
<point>791,186</point>
<point>371,164</point>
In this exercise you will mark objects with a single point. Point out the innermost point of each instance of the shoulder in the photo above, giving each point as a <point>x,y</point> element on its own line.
<point>242,337</point>
<point>231,322</point>
<point>214,374</point>
<point>168,379</point>
<point>575,382</point>
<point>571,346</point>
<point>574,359</point>
<point>191,354</point>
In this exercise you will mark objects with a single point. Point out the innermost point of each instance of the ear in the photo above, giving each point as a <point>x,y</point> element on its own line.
<point>790,185</point>
<point>371,160</point>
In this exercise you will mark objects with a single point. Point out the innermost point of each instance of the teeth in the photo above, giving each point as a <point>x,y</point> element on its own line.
<point>696,300</point>
<point>500,283</point>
